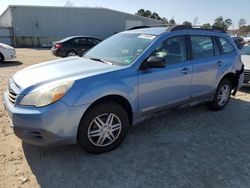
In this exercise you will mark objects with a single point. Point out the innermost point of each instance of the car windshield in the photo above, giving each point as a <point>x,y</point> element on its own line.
<point>121,49</point>
<point>246,50</point>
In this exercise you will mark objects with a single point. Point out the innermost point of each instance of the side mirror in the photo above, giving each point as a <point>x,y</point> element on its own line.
<point>156,62</point>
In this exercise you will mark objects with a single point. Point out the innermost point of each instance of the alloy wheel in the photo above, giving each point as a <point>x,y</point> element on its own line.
<point>223,95</point>
<point>104,129</point>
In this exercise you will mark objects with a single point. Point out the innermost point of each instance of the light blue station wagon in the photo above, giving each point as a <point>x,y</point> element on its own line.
<point>94,99</point>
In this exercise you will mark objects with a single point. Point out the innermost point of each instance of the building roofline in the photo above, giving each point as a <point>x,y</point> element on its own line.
<point>102,8</point>
<point>5,10</point>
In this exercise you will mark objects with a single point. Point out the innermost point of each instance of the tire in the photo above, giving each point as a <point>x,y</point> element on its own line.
<point>95,135</point>
<point>1,57</point>
<point>71,53</point>
<point>222,95</point>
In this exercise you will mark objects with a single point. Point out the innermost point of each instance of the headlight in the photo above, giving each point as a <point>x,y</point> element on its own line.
<point>46,94</point>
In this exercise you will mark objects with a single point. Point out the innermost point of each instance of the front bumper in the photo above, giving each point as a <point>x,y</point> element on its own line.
<point>9,54</point>
<point>50,125</point>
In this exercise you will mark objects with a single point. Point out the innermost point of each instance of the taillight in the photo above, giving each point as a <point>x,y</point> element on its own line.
<point>58,45</point>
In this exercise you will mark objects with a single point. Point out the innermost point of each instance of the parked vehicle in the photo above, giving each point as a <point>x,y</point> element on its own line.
<point>72,46</point>
<point>247,40</point>
<point>246,60</point>
<point>128,77</point>
<point>6,52</point>
<point>239,41</point>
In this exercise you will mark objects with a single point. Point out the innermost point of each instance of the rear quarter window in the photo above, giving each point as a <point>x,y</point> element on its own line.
<point>226,46</point>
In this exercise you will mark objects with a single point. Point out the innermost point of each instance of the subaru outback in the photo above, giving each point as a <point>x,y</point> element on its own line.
<point>94,99</point>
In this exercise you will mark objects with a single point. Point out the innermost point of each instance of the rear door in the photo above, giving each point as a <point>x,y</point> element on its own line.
<point>206,64</point>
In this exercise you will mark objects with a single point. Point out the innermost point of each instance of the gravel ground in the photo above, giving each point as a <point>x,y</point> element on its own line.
<point>192,147</point>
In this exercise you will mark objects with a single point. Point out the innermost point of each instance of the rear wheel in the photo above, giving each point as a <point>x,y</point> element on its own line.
<point>103,127</point>
<point>222,95</point>
<point>71,53</point>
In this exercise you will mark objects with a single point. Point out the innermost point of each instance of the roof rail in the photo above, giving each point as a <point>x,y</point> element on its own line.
<point>178,27</point>
<point>149,26</point>
<point>138,27</point>
<point>170,27</point>
<point>216,28</point>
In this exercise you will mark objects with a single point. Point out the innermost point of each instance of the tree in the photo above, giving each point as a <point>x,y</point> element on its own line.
<point>242,22</point>
<point>155,16</point>
<point>206,26</point>
<point>172,22</point>
<point>140,12</point>
<point>196,22</point>
<point>244,30</point>
<point>187,23</point>
<point>221,23</point>
<point>164,20</point>
<point>69,4</point>
<point>149,14</point>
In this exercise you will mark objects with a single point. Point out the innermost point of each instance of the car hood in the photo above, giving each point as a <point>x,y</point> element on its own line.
<point>6,46</point>
<point>246,61</point>
<point>71,68</point>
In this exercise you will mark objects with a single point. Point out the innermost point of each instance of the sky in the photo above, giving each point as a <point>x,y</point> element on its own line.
<point>180,10</point>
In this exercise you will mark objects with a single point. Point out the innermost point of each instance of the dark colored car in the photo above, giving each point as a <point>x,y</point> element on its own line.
<point>75,45</point>
<point>239,41</point>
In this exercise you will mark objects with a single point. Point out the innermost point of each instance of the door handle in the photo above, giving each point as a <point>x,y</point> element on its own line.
<point>185,70</point>
<point>219,63</point>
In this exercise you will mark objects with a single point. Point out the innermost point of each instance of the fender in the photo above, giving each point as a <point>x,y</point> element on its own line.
<point>89,90</point>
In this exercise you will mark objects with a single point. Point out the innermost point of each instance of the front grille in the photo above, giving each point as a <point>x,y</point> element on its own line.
<point>246,76</point>
<point>11,96</point>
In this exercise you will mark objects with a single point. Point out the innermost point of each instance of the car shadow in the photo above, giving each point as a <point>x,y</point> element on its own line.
<point>192,147</point>
<point>10,63</point>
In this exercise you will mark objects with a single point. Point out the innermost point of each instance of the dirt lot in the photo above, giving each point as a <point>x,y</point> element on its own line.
<point>193,147</point>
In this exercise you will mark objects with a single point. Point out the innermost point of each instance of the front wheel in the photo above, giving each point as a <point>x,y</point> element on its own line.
<point>1,57</point>
<point>222,95</point>
<point>103,127</point>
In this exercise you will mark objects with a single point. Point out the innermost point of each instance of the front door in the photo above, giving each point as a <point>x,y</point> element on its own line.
<point>160,87</point>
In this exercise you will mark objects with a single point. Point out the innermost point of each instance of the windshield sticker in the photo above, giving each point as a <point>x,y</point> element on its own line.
<point>144,36</point>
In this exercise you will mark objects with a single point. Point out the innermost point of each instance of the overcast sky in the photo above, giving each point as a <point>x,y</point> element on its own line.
<point>181,10</point>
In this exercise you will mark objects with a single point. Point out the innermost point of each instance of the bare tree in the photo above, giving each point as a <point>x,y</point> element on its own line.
<point>242,22</point>
<point>69,4</point>
<point>196,21</point>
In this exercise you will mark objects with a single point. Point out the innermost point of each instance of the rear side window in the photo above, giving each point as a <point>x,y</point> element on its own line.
<point>80,41</point>
<point>202,47</point>
<point>227,47</point>
<point>93,41</point>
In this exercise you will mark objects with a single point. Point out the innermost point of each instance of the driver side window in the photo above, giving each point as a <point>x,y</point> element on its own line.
<point>173,50</point>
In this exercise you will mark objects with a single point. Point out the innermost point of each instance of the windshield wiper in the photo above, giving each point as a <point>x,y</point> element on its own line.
<point>97,59</point>
<point>100,60</point>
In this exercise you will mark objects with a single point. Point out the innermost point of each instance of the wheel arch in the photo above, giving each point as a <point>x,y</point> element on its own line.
<point>1,55</point>
<point>118,99</point>
<point>232,77</point>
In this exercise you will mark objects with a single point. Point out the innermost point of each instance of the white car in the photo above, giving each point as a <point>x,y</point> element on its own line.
<point>246,60</point>
<point>6,52</point>
<point>246,39</point>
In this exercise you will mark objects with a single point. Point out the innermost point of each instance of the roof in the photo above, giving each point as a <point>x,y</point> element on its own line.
<point>78,36</point>
<point>159,29</point>
<point>62,7</point>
